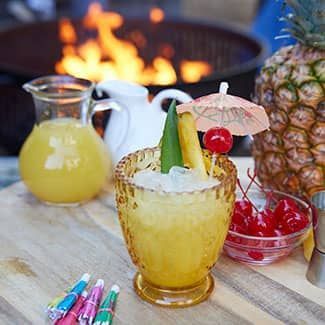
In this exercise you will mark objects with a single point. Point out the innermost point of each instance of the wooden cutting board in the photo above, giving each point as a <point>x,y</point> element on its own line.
<point>44,249</point>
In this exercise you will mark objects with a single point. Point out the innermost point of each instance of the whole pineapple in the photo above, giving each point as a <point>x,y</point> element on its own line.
<point>291,86</point>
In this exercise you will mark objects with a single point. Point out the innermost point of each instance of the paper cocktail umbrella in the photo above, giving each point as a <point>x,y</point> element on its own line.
<point>238,115</point>
<point>106,311</point>
<point>69,300</point>
<point>55,301</point>
<point>88,312</point>
<point>72,315</point>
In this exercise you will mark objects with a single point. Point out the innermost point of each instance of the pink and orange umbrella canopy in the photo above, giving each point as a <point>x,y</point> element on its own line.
<point>238,115</point>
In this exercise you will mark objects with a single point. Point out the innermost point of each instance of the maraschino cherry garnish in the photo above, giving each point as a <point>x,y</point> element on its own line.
<point>218,140</point>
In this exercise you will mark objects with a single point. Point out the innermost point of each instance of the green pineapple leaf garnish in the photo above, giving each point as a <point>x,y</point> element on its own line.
<point>171,153</point>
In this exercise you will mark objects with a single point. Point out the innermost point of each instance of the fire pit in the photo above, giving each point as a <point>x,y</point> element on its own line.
<point>100,47</point>
<point>217,52</point>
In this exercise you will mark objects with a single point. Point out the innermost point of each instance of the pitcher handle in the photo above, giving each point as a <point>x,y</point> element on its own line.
<point>181,96</point>
<point>112,104</point>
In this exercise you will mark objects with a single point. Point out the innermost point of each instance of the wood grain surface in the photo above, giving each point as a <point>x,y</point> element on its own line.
<point>44,249</point>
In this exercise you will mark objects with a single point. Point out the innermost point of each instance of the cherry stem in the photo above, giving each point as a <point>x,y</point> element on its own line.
<point>251,181</point>
<point>245,195</point>
<point>268,195</point>
<point>269,198</point>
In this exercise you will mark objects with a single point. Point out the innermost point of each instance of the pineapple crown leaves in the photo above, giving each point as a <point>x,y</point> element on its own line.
<point>306,23</point>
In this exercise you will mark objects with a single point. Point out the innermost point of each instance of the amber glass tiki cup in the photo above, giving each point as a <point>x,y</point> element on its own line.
<point>174,239</point>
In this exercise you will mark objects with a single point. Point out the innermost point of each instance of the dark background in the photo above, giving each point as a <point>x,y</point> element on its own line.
<point>16,107</point>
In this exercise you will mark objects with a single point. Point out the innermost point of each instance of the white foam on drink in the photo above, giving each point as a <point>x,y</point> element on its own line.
<point>177,180</point>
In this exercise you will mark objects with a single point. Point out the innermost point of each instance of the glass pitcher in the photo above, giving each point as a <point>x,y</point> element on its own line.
<point>64,161</point>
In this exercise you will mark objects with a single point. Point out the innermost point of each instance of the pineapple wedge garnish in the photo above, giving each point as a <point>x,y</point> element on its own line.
<point>217,171</point>
<point>190,144</point>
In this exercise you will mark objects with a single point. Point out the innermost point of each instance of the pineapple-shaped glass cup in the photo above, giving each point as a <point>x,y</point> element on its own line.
<point>174,239</point>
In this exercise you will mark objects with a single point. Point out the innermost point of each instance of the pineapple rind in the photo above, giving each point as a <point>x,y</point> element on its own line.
<point>290,156</point>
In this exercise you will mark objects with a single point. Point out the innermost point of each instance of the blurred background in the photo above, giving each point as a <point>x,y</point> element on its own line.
<point>202,42</point>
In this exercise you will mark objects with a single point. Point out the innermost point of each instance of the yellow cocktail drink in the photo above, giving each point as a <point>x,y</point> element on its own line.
<point>177,238</point>
<point>173,238</point>
<point>64,161</point>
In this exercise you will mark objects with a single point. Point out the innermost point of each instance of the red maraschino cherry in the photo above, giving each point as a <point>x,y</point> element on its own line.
<point>240,219</point>
<point>262,224</point>
<point>284,206</point>
<point>293,221</point>
<point>237,228</point>
<point>244,206</point>
<point>218,140</point>
<point>278,233</point>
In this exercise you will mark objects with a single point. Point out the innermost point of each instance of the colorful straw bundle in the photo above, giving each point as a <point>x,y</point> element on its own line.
<point>76,306</point>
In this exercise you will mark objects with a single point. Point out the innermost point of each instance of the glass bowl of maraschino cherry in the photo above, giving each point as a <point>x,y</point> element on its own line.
<point>266,224</point>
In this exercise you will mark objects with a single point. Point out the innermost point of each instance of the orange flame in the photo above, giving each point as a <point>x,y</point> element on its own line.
<point>67,32</point>
<point>192,71</point>
<point>157,15</point>
<point>108,57</point>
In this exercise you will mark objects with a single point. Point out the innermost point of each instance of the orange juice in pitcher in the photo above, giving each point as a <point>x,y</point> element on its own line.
<point>64,161</point>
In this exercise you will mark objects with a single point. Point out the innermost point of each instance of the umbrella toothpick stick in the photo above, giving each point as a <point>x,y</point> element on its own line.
<point>223,88</point>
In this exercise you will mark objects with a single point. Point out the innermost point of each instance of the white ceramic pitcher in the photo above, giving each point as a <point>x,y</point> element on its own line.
<point>142,120</point>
